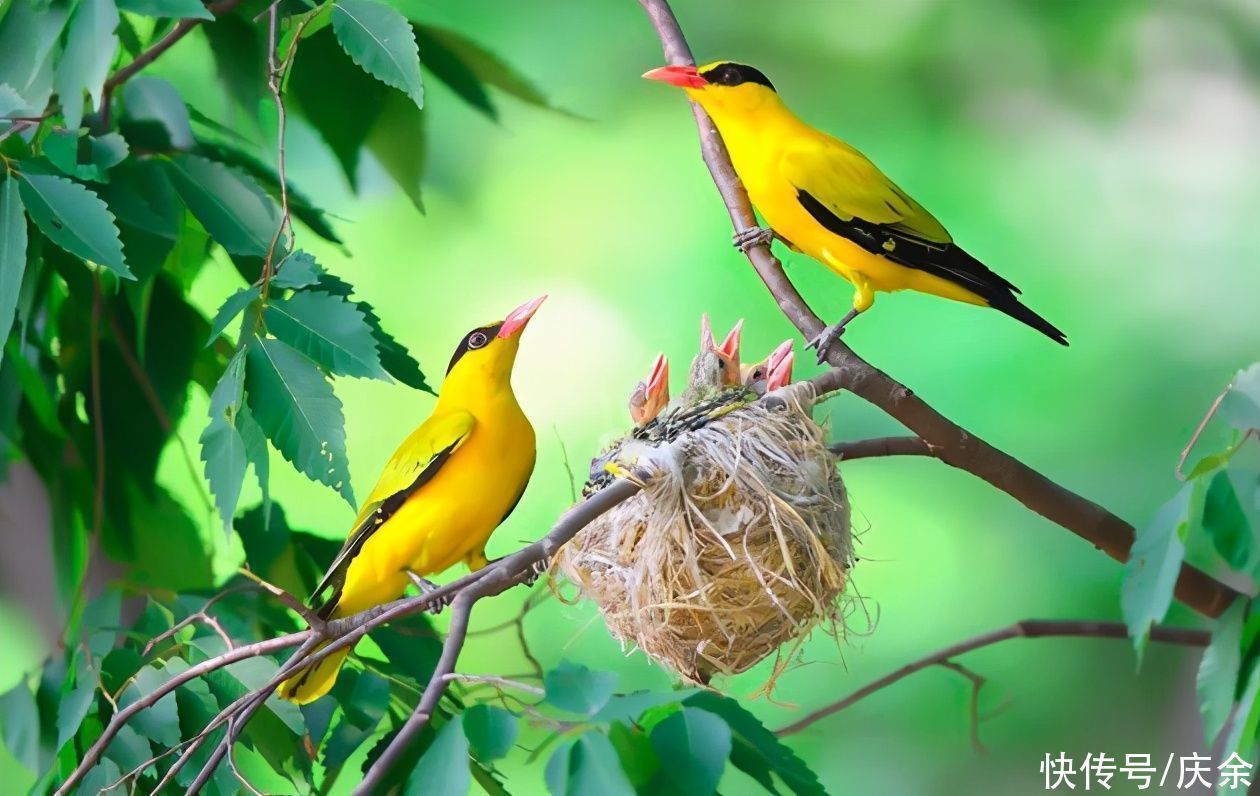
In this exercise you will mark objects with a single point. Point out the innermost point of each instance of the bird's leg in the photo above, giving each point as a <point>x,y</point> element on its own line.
<point>745,239</point>
<point>829,335</point>
<point>425,586</point>
<point>536,570</point>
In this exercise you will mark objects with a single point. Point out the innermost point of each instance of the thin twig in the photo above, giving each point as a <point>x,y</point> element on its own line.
<point>1029,628</point>
<point>973,706</point>
<point>881,446</point>
<point>312,618</point>
<point>956,446</point>
<point>495,680</point>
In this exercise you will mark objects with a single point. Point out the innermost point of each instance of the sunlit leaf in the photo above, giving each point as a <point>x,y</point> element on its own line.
<point>380,40</point>
<point>183,9</point>
<point>491,731</point>
<point>12,254</point>
<point>443,769</point>
<point>222,447</point>
<point>90,47</point>
<point>588,764</point>
<point>1229,506</point>
<point>238,214</point>
<point>75,219</point>
<point>327,329</point>
<point>1217,680</point>
<point>692,745</point>
<point>298,270</point>
<point>1154,563</point>
<point>295,405</point>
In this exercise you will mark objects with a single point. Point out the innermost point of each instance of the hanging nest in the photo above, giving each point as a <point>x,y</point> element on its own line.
<point>739,543</point>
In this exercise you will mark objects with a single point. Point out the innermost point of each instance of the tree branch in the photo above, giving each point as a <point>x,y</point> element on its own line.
<point>882,446</point>
<point>1028,628</point>
<point>955,446</point>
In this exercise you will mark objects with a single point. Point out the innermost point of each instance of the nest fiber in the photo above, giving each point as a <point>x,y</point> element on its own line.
<point>739,543</point>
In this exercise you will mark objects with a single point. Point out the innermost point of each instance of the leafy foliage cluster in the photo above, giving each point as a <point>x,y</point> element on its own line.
<point>1217,511</point>
<point>115,194</point>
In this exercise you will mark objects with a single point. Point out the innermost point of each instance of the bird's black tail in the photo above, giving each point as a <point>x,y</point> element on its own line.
<point>1012,307</point>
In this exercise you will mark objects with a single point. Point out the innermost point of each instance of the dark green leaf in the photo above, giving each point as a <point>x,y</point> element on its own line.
<point>411,645</point>
<point>443,769</point>
<point>380,40</point>
<point>240,60</point>
<point>628,707</point>
<point>747,729</point>
<point>75,704</point>
<point>1240,732</point>
<point>464,65</point>
<point>19,725</point>
<point>1153,566</point>
<point>394,356</point>
<point>238,214</point>
<point>1225,520</point>
<point>86,157</point>
<point>328,330</point>
<point>256,452</point>
<point>160,721</point>
<point>577,689</point>
<point>1241,404</point>
<point>101,777</point>
<point>158,113</point>
<point>1217,681</point>
<point>399,141</point>
<point>129,749</point>
<point>634,750</point>
<point>90,48</point>
<point>12,255</point>
<point>364,698</point>
<point>28,35</point>
<point>230,309</point>
<point>586,765</point>
<point>294,404</point>
<point>75,219</point>
<point>491,731</point>
<point>222,447</point>
<point>182,9</point>
<point>298,270</point>
<point>140,195</point>
<point>692,745</point>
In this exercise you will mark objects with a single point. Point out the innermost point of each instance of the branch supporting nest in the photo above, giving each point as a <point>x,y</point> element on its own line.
<point>950,443</point>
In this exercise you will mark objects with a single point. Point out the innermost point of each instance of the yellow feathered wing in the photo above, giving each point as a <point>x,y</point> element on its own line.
<point>413,465</point>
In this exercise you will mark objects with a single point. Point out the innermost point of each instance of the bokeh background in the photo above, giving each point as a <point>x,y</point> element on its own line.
<point>1101,155</point>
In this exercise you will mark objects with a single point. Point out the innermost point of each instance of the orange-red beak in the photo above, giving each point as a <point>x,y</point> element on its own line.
<point>652,394</point>
<point>517,318</point>
<point>681,76</point>
<point>728,351</point>
<point>779,366</point>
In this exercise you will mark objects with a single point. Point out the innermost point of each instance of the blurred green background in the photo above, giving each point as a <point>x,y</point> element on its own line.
<point>1101,155</point>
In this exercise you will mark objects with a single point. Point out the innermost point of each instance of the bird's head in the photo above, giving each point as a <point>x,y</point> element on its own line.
<point>652,394</point>
<point>722,87</point>
<point>771,373</point>
<point>485,356</point>
<point>727,353</point>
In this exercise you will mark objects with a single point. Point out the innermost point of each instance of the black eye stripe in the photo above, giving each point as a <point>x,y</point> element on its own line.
<point>483,334</point>
<point>733,74</point>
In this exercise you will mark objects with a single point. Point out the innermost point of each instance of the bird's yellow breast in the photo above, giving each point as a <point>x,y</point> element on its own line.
<point>451,516</point>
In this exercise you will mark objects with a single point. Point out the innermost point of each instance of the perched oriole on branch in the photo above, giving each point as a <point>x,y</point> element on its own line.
<point>444,491</point>
<point>822,197</point>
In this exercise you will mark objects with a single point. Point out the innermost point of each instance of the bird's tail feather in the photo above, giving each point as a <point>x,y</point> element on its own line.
<point>1014,308</point>
<point>312,682</point>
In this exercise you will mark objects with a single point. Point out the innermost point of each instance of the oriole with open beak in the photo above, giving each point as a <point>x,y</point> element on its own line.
<point>822,197</point>
<point>443,492</point>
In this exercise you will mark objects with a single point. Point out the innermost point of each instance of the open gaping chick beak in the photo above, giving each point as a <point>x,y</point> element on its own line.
<point>517,318</point>
<point>681,76</point>
<point>779,366</point>
<point>728,351</point>
<point>652,394</point>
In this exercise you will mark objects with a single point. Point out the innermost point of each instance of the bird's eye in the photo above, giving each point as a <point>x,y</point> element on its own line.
<point>731,76</point>
<point>477,340</point>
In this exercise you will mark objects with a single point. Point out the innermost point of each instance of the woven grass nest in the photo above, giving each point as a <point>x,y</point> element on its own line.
<point>739,544</point>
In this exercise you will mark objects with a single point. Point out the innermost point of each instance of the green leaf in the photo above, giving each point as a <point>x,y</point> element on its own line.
<point>74,705</point>
<point>222,447</point>
<point>364,698</point>
<point>140,195</point>
<point>28,36</point>
<point>1226,519</point>
<point>239,215</point>
<point>465,65</point>
<point>101,777</point>
<point>12,255</point>
<point>179,9</point>
<point>1241,404</point>
<point>577,689</point>
<point>586,765</point>
<point>1153,566</point>
<point>10,100</point>
<point>327,329</point>
<point>90,48</point>
<point>398,141</point>
<point>760,742</point>
<point>75,219</point>
<point>230,309</point>
<point>628,707</point>
<point>19,725</point>
<point>128,749</point>
<point>295,405</point>
<point>380,40</point>
<point>256,452</point>
<point>1217,681</point>
<point>692,745</point>
<point>240,60</point>
<point>298,270</point>
<point>160,721</point>
<point>86,157</point>
<point>394,356</point>
<point>156,114</point>
<point>443,770</point>
<point>1240,732</point>
<point>634,750</point>
<point>491,731</point>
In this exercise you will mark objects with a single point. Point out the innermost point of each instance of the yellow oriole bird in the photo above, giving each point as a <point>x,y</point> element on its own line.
<point>443,492</point>
<point>822,197</point>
